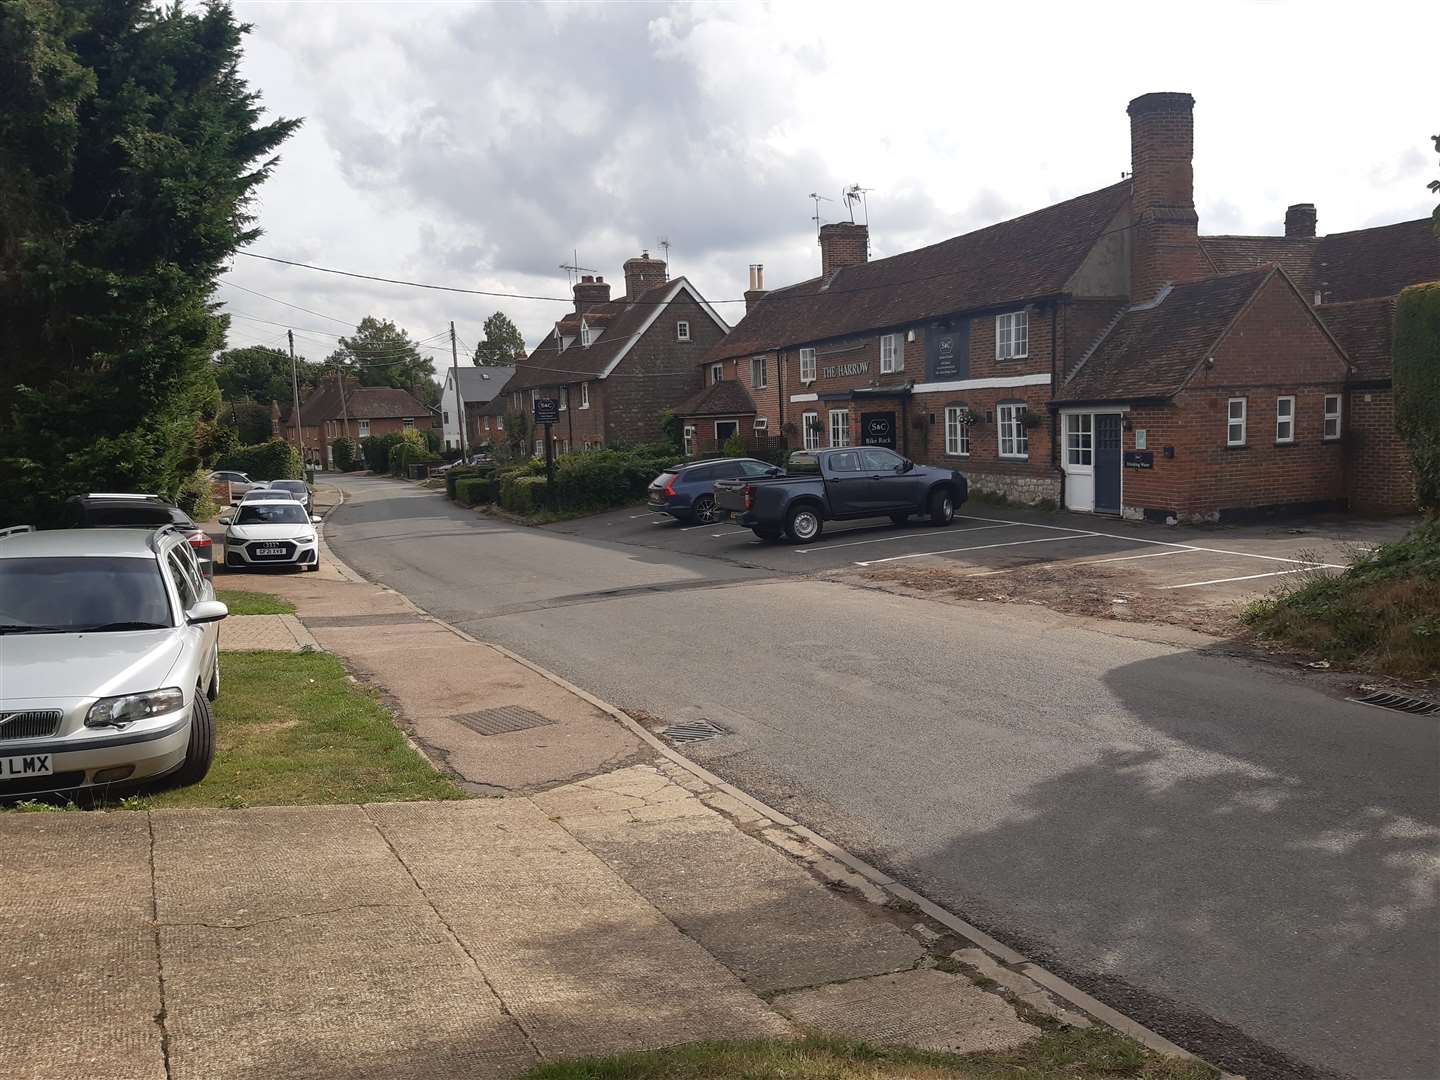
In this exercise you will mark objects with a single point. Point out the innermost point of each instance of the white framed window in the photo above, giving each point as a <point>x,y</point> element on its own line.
<point>540,448</point>
<point>364,428</point>
<point>759,375</point>
<point>762,425</point>
<point>1014,439</point>
<point>584,395</point>
<point>1235,422</point>
<point>1012,335</point>
<point>515,400</point>
<point>957,431</point>
<point>584,334</point>
<point>725,430</point>
<point>892,354</point>
<point>1079,440</point>
<point>810,430</point>
<point>717,373</point>
<point>408,423</point>
<point>564,398</point>
<point>447,416</point>
<point>534,397</point>
<point>839,427</point>
<point>689,439</point>
<point>1284,419</point>
<point>807,365</point>
<point>499,423</point>
<point>1332,416</point>
<point>682,331</point>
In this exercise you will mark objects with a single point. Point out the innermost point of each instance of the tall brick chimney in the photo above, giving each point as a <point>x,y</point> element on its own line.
<point>1166,238</point>
<point>591,291</point>
<point>756,292</point>
<point>1300,219</point>
<point>643,273</point>
<point>843,243</point>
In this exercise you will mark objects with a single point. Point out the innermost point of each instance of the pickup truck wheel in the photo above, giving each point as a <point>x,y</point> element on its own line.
<point>767,535</point>
<point>804,524</point>
<point>942,507</point>
<point>704,509</point>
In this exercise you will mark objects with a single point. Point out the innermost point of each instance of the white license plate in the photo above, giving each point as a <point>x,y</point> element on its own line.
<point>13,768</point>
<point>269,551</point>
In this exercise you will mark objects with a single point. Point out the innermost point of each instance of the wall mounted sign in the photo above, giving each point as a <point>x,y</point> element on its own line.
<point>947,351</point>
<point>836,371</point>
<point>1139,459</point>
<point>877,429</point>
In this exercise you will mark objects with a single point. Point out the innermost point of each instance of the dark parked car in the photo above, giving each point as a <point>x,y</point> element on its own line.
<point>110,509</point>
<point>838,485</point>
<point>687,492</point>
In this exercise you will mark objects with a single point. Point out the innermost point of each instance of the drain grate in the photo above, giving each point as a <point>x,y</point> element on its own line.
<point>1384,699</point>
<point>500,720</point>
<point>699,731</point>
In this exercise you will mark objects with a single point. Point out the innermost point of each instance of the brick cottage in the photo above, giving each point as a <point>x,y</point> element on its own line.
<point>331,411</point>
<point>1099,353</point>
<point>616,365</point>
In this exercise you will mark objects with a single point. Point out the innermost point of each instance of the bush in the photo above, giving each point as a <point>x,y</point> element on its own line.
<point>344,452</point>
<point>273,460</point>
<point>471,490</point>
<point>376,451</point>
<point>196,497</point>
<point>1417,385</point>
<point>734,446</point>
<point>409,448</point>
<point>596,479</point>
<point>523,494</point>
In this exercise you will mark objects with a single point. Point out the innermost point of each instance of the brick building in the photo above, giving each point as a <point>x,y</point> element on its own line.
<point>1098,353</point>
<point>616,365</point>
<point>332,410</point>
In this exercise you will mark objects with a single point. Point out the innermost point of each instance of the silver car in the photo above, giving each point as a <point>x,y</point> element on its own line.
<point>109,658</point>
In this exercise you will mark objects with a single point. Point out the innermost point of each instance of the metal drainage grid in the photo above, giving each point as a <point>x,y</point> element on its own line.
<point>500,720</point>
<point>1384,699</point>
<point>699,731</point>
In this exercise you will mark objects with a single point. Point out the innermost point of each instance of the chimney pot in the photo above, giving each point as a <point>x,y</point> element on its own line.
<point>843,243</point>
<point>1166,241</point>
<point>590,293</point>
<point>1300,219</point>
<point>643,273</point>
<point>756,292</point>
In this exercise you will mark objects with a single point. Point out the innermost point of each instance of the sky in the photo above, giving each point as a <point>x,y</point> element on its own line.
<point>483,145</point>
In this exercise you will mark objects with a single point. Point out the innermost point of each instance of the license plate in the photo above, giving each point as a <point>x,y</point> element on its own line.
<point>269,551</point>
<point>12,768</point>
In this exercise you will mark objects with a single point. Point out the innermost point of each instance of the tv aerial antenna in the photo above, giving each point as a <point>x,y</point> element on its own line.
<point>573,268</point>
<point>816,217</point>
<point>855,195</point>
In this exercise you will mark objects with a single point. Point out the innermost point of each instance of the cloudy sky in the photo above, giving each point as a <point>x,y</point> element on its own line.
<point>479,144</point>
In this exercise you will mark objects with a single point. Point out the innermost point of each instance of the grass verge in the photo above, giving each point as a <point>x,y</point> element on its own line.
<point>1092,1054</point>
<point>1382,613</point>
<point>241,602</point>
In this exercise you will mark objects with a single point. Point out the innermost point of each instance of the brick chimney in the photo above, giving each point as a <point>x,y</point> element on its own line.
<point>756,292</point>
<point>1300,219</point>
<point>643,273</point>
<point>591,291</point>
<point>843,243</point>
<point>1166,241</point>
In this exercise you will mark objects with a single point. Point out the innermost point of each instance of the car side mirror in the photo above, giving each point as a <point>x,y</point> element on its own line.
<point>206,611</point>
<point>905,466</point>
<point>226,519</point>
<point>775,471</point>
<point>316,519</point>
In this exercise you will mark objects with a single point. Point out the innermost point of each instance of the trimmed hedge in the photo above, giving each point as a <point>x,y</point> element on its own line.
<point>523,494</point>
<point>1416,354</point>
<point>272,460</point>
<point>471,490</point>
<point>597,479</point>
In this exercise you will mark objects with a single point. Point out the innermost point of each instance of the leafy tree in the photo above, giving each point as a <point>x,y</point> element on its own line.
<point>379,353</point>
<point>344,451</point>
<point>1417,385</point>
<point>501,342</point>
<point>130,151</point>
<point>262,374</point>
<point>249,419</point>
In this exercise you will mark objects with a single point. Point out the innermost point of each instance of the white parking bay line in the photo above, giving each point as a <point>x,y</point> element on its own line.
<point>1247,577</point>
<point>887,539</point>
<point>1147,555</point>
<point>978,547</point>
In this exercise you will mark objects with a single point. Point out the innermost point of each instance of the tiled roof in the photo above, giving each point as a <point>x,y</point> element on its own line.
<point>724,398</point>
<point>1151,351</point>
<point>1363,328</point>
<point>1027,257</point>
<point>547,366</point>
<point>481,383</point>
<point>1358,265</point>
<point>361,403</point>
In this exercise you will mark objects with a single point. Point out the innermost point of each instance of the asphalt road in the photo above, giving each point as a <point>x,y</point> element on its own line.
<point>1235,856</point>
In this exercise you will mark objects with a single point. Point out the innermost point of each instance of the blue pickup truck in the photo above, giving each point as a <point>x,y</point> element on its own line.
<point>840,485</point>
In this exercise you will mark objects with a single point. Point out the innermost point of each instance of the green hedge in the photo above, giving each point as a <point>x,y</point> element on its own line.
<point>1416,355</point>
<point>273,460</point>
<point>597,479</point>
<point>523,494</point>
<point>471,490</point>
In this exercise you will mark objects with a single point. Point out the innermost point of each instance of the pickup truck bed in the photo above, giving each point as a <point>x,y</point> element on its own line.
<point>841,484</point>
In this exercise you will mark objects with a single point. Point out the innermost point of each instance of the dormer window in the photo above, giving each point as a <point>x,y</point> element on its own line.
<point>585,334</point>
<point>717,373</point>
<point>682,331</point>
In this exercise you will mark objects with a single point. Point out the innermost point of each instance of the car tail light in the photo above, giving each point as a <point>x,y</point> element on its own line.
<point>749,496</point>
<point>670,488</point>
<point>199,538</point>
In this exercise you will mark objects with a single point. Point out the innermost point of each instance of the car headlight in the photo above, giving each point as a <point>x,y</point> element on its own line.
<point>127,708</point>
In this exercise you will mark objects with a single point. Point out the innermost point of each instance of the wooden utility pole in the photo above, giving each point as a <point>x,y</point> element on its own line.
<point>459,401</point>
<point>295,388</point>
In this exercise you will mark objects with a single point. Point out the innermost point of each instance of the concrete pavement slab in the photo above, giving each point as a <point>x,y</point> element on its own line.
<point>281,633</point>
<point>63,867</point>
<point>237,867</point>
<point>761,915</point>
<point>381,993</point>
<point>927,1008</point>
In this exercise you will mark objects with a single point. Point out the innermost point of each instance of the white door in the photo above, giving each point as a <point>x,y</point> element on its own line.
<point>1079,461</point>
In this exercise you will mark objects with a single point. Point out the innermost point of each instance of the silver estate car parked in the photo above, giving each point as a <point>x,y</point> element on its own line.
<point>109,658</point>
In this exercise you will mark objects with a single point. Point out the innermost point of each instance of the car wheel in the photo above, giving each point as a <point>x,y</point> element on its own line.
<point>804,524</point>
<point>704,509</point>
<point>213,690</point>
<point>900,519</point>
<point>767,535</point>
<point>942,507</point>
<point>201,750</point>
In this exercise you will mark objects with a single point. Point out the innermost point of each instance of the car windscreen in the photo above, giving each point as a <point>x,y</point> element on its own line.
<point>266,494</point>
<point>289,485</point>
<point>272,514</point>
<point>56,595</point>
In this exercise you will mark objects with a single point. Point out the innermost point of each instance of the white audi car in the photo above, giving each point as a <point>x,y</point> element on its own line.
<point>270,532</point>
<point>109,657</point>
